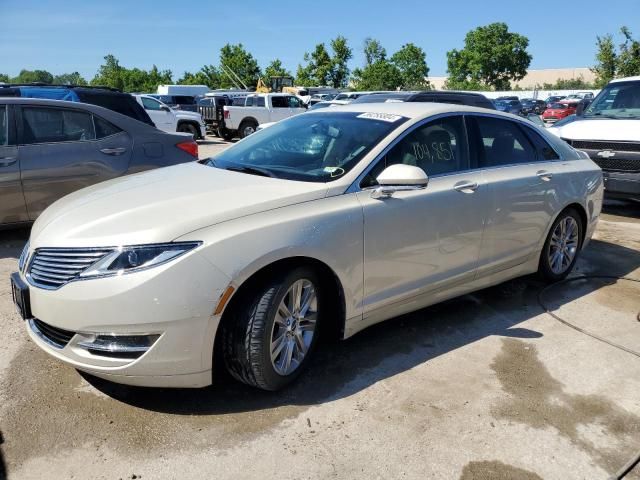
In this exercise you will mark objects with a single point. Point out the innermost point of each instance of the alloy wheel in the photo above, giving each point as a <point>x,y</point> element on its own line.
<point>563,245</point>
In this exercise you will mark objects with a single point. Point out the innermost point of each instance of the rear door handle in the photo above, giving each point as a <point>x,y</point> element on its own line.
<point>544,175</point>
<point>7,161</point>
<point>466,187</point>
<point>113,151</point>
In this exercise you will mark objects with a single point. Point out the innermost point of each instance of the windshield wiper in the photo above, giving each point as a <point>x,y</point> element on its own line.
<point>252,171</point>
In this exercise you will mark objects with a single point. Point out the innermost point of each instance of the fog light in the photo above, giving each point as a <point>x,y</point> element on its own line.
<point>117,346</point>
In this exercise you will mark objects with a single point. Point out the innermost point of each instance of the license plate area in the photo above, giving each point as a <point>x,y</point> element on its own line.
<point>20,294</point>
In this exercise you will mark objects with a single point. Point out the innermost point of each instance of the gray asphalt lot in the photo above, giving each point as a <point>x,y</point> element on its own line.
<point>486,386</point>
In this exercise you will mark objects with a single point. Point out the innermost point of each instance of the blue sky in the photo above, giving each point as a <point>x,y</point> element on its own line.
<point>184,35</point>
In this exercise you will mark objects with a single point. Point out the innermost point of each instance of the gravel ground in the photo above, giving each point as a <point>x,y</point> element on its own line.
<point>486,386</point>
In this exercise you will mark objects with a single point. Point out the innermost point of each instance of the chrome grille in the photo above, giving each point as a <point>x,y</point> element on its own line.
<point>52,268</point>
<point>54,336</point>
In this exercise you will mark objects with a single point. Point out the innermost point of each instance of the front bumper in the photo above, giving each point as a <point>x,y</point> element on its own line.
<point>175,301</point>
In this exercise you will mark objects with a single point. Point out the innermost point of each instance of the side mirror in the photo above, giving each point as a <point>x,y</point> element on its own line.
<point>164,108</point>
<point>399,178</point>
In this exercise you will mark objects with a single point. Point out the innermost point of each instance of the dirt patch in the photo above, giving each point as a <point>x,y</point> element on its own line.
<point>53,409</point>
<point>539,400</point>
<point>494,470</point>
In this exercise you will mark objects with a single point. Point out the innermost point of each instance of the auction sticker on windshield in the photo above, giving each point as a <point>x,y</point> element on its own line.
<point>385,117</point>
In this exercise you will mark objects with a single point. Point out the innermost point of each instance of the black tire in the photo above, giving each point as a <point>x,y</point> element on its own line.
<point>225,134</point>
<point>189,128</point>
<point>544,267</point>
<point>246,335</point>
<point>247,127</point>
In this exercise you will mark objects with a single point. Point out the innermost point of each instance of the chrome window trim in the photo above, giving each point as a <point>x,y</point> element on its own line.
<point>355,185</point>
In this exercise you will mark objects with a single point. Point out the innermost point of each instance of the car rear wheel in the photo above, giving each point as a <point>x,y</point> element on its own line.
<point>269,340</point>
<point>247,128</point>
<point>188,128</point>
<point>562,246</point>
<point>225,133</point>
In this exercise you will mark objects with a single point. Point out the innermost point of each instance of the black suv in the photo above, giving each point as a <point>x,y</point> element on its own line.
<point>440,96</point>
<point>106,97</point>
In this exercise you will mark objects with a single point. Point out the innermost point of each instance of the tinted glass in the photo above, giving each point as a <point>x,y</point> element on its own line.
<point>151,104</point>
<point>545,151</point>
<point>617,100</point>
<point>118,102</point>
<point>249,102</point>
<point>46,125</point>
<point>502,143</point>
<point>4,133</point>
<point>438,147</point>
<point>315,147</point>
<point>184,99</point>
<point>279,102</point>
<point>260,102</point>
<point>104,128</point>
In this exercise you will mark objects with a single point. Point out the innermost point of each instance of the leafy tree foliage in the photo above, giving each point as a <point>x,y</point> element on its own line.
<point>492,57</point>
<point>4,78</point>
<point>321,68</point>
<point>73,78</point>
<point>373,51</point>
<point>612,63</point>
<point>276,69</point>
<point>208,75</point>
<point>412,64</point>
<point>606,57</point>
<point>380,75</point>
<point>112,74</point>
<point>578,83</point>
<point>241,63</point>
<point>31,76</point>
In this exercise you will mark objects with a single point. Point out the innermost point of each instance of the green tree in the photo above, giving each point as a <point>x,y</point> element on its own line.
<point>33,76</point>
<point>4,78</point>
<point>321,68</point>
<point>411,61</point>
<point>380,75</point>
<point>342,53</point>
<point>110,74</point>
<point>628,59</point>
<point>373,51</point>
<point>235,60</point>
<point>606,58</point>
<point>492,57</point>
<point>578,83</point>
<point>208,75</point>
<point>73,78</point>
<point>276,69</point>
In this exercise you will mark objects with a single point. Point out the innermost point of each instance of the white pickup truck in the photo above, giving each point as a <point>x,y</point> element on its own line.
<point>243,120</point>
<point>169,120</point>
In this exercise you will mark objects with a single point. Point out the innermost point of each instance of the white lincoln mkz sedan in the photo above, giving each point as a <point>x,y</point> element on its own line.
<point>329,221</point>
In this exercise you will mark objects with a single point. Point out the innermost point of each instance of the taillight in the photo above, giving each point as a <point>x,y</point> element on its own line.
<point>190,147</point>
<point>226,114</point>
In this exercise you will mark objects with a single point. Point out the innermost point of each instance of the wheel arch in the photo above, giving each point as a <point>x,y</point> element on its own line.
<point>336,326</point>
<point>248,119</point>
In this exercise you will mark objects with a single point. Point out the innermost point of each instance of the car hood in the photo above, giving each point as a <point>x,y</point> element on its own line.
<point>161,205</point>
<point>599,129</point>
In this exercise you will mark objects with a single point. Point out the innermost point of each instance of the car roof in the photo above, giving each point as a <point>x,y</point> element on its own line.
<point>413,110</point>
<point>626,79</point>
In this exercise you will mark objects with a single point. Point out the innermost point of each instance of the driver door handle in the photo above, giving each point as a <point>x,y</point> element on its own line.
<point>7,161</point>
<point>466,187</point>
<point>544,175</point>
<point>113,151</point>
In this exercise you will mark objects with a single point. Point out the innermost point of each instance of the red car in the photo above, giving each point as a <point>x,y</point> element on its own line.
<point>559,110</point>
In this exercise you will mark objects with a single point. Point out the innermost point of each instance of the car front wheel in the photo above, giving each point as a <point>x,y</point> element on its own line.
<point>272,335</point>
<point>562,246</point>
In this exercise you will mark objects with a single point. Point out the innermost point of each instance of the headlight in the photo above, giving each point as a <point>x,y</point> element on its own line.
<point>137,257</point>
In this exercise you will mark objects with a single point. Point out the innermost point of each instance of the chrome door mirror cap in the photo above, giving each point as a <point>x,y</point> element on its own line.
<point>403,175</point>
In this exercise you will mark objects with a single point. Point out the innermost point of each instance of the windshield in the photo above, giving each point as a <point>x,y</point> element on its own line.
<point>313,147</point>
<point>616,100</point>
<point>559,106</point>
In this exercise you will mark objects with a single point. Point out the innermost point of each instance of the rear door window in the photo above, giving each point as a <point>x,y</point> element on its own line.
<point>49,125</point>
<point>279,102</point>
<point>502,142</point>
<point>103,128</point>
